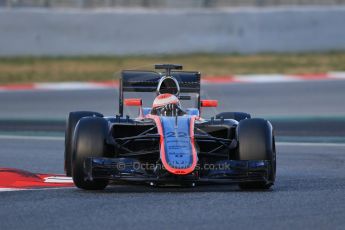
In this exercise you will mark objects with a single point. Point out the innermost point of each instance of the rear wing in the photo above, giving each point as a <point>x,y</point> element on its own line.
<point>147,81</point>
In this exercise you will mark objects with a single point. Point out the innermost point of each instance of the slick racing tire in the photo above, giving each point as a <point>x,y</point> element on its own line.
<point>71,123</point>
<point>238,116</point>
<point>256,142</point>
<point>89,141</point>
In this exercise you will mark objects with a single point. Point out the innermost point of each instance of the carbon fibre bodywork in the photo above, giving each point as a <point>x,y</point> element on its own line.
<point>137,157</point>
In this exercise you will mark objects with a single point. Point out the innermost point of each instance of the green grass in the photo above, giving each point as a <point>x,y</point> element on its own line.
<point>98,68</point>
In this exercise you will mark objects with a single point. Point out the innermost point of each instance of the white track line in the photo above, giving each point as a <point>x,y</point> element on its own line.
<point>10,189</point>
<point>58,179</point>
<point>21,137</point>
<point>311,144</point>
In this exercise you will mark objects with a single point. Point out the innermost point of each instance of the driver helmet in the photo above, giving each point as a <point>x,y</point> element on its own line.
<point>166,104</point>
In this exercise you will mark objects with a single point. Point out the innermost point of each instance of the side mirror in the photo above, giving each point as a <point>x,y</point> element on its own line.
<point>208,103</point>
<point>133,102</point>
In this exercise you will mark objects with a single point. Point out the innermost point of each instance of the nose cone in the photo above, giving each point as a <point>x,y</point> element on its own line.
<point>177,147</point>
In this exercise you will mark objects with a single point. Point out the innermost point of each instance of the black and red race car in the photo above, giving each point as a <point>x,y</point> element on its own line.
<point>166,143</point>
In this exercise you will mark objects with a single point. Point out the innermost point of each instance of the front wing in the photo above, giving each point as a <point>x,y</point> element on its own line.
<point>131,170</point>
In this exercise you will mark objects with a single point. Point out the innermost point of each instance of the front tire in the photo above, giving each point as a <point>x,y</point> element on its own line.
<point>89,141</point>
<point>71,123</point>
<point>256,142</point>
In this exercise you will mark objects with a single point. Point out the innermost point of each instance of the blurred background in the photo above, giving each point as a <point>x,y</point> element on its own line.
<point>94,40</point>
<point>83,40</point>
<point>163,3</point>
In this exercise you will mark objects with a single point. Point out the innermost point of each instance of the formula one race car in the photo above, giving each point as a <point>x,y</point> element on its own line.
<point>167,144</point>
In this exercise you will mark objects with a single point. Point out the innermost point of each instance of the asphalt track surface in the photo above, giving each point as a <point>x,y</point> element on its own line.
<point>308,194</point>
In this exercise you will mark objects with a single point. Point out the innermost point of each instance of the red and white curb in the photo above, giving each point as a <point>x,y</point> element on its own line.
<point>273,78</point>
<point>256,78</point>
<point>18,180</point>
<point>59,86</point>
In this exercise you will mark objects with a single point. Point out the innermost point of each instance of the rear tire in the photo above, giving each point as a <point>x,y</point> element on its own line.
<point>89,141</point>
<point>238,116</point>
<point>256,142</point>
<point>71,123</point>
